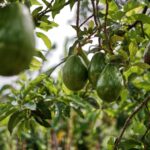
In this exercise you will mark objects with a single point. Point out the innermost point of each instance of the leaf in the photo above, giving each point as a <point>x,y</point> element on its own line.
<point>35,2</point>
<point>129,144</point>
<point>72,2</point>
<point>79,112</point>
<point>141,65</point>
<point>45,39</point>
<point>133,50</point>
<point>6,87</point>
<point>35,64</point>
<point>45,2</point>
<point>110,143</point>
<point>131,5</point>
<point>30,105</point>
<point>140,83</point>
<point>36,11</point>
<point>142,17</point>
<point>93,102</point>
<point>91,24</point>
<point>117,15</point>
<point>15,119</point>
<point>42,122</point>
<point>116,38</point>
<point>44,110</point>
<point>6,113</point>
<point>57,6</point>
<point>47,25</point>
<point>40,55</point>
<point>33,83</point>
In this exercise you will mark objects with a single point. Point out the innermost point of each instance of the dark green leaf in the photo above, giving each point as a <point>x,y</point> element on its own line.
<point>15,119</point>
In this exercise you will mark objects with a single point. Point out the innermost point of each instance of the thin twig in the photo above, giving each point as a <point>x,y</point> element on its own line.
<point>105,27</point>
<point>94,13</point>
<point>77,24</point>
<point>128,120</point>
<point>96,20</point>
<point>41,14</point>
<point>86,20</point>
<point>78,17</point>
<point>45,11</point>
<point>143,137</point>
<point>99,23</point>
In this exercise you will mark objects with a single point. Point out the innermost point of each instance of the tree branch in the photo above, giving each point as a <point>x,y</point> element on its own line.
<point>78,17</point>
<point>105,27</point>
<point>128,120</point>
<point>94,13</point>
<point>41,14</point>
<point>136,22</point>
<point>99,29</point>
<point>86,20</point>
<point>77,24</point>
<point>96,19</point>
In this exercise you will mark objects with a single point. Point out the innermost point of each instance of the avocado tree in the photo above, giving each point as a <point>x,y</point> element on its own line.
<point>94,103</point>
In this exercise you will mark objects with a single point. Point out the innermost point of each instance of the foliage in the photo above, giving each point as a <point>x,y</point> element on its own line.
<point>41,113</point>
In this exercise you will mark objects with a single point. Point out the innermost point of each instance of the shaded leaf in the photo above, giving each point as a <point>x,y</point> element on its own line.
<point>15,119</point>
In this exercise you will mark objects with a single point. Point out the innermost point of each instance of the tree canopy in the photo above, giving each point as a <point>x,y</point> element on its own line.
<point>70,112</point>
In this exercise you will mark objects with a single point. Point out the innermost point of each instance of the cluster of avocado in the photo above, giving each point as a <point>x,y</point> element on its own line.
<point>104,77</point>
<point>17,42</point>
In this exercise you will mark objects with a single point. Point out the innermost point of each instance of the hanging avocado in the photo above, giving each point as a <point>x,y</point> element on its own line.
<point>109,84</point>
<point>147,54</point>
<point>17,41</point>
<point>96,66</point>
<point>74,73</point>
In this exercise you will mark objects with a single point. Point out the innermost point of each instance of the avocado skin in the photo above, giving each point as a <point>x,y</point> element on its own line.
<point>17,42</point>
<point>96,66</point>
<point>74,73</point>
<point>109,84</point>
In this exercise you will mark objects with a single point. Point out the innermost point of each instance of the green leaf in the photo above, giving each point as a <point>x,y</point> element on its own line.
<point>15,119</point>
<point>47,25</point>
<point>35,64</point>
<point>40,55</point>
<point>58,5</point>
<point>130,144</point>
<point>133,50</point>
<point>42,122</point>
<point>140,83</point>
<point>131,5</point>
<point>141,65</point>
<point>30,105</point>
<point>5,111</point>
<point>110,143</point>
<point>44,110</point>
<point>35,2</point>
<point>72,2</point>
<point>93,102</point>
<point>45,39</point>
<point>142,17</point>
<point>33,83</point>
<point>37,10</point>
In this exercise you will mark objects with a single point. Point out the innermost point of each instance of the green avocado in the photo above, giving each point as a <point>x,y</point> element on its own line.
<point>109,84</point>
<point>96,66</point>
<point>17,42</point>
<point>74,73</point>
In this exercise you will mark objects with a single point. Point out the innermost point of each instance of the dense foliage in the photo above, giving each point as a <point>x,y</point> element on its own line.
<point>40,112</point>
